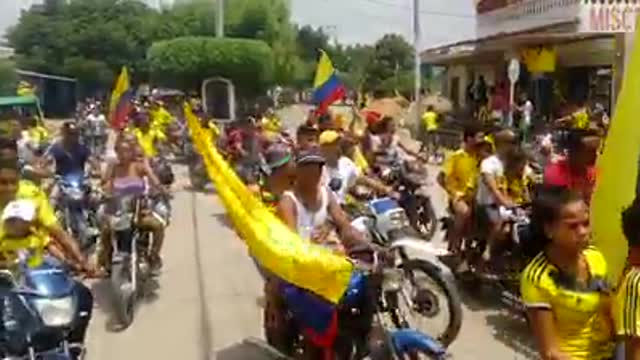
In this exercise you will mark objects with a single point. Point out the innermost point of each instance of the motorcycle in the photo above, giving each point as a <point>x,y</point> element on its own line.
<point>74,209</point>
<point>357,328</point>
<point>410,180</point>
<point>130,270</point>
<point>387,225</point>
<point>39,312</point>
<point>515,257</point>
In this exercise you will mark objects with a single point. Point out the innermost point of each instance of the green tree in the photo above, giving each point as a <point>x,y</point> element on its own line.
<point>8,78</point>
<point>392,55</point>
<point>185,62</point>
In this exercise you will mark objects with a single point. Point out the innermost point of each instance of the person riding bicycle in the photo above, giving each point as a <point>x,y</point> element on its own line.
<point>309,206</point>
<point>342,169</point>
<point>460,177</point>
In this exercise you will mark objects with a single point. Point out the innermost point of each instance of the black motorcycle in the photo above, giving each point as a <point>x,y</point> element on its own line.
<point>410,180</point>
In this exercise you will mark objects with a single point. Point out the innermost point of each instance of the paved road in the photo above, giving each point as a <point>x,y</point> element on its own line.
<point>208,301</point>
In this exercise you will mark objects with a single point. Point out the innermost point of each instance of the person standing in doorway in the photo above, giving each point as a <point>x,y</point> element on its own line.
<point>526,111</point>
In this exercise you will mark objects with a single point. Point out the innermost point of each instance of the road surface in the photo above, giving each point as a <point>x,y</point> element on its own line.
<point>207,301</point>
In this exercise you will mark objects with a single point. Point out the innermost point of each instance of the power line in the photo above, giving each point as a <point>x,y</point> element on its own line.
<point>428,12</point>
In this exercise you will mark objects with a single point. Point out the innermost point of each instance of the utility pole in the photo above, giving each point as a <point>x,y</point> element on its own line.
<point>220,21</point>
<point>416,45</point>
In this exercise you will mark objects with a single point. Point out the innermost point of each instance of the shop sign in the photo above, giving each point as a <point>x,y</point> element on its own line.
<point>508,16</point>
<point>617,17</point>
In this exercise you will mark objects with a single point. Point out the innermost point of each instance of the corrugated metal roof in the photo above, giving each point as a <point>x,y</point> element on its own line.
<point>45,76</point>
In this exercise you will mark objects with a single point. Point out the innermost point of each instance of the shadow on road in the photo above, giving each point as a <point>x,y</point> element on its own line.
<point>253,349</point>
<point>508,326</point>
<point>223,220</point>
<point>105,301</point>
<point>513,331</point>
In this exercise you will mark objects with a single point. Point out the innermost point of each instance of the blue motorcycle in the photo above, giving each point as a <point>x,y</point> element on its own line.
<point>39,312</point>
<point>73,209</point>
<point>366,324</point>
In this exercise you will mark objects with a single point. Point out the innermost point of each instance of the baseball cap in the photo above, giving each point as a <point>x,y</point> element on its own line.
<point>19,209</point>
<point>311,156</point>
<point>276,156</point>
<point>328,137</point>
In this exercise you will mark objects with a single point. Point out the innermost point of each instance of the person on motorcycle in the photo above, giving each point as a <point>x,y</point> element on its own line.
<point>576,170</point>
<point>130,172</point>
<point>96,124</point>
<point>389,148</point>
<point>625,304</point>
<point>306,137</point>
<point>309,206</point>
<point>460,172</point>
<point>341,168</point>
<point>149,139</point>
<point>492,195</point>
<point>25,202</point>
<point>518,177</point>
<point>279,171</point>
<point>564,287</point>
<point>69,155</point>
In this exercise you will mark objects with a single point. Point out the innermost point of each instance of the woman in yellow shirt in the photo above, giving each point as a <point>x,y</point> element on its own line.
<point>564,287</point>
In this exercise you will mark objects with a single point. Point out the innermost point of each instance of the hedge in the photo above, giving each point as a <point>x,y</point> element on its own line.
<point>184,62</point>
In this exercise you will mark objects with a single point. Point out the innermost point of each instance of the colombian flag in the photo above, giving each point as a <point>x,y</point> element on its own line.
<point>327,89</point>
<point>617,170</point>
<point>121,97</point>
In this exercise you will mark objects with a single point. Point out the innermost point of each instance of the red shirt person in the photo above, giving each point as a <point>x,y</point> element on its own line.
<point>576,170</point>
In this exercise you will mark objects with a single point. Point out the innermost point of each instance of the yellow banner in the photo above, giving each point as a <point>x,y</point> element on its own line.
<point>273,244</point>
<point>539,59</point>
<point>617,167</point>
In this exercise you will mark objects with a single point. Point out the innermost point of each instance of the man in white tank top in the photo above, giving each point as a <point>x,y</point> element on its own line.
<point>344,169</point>
<point>308,207</point>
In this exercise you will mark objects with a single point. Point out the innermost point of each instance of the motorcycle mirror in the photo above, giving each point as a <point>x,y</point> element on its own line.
<point>335,184</point>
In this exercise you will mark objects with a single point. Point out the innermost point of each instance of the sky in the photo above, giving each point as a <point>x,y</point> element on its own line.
<point>352,21</point>
<point>364,21</point>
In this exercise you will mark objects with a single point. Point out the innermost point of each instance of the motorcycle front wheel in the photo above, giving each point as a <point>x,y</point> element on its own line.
<point>427,223</point>
<point>426,282</point>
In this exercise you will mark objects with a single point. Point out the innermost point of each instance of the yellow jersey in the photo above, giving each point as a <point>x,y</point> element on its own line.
<point>580,312</point>
<point>148,140</point>
<point>461,174</point>
<point>430,120</point>
<point>39,239</point>
<point>161,118</point>
<point>360,161</point>
<point>580,119</point>
<point>626,304</point>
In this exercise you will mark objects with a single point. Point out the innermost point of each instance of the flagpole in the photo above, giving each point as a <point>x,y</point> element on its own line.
<point>416,46</point>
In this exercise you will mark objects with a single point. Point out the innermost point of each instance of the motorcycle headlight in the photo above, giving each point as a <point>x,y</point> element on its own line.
<point>74,193</point>
<point>121,222</point>
<point>55,312</point>
<point>397,220</point>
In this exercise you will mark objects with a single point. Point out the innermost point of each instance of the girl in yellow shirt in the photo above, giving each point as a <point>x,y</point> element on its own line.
<point>564,287</point>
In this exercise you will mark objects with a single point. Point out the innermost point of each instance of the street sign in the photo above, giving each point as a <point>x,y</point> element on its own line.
<point>514,73</point>
<point>514,70</point>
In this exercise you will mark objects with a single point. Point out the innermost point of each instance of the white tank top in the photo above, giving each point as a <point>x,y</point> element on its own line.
<point>308,220</point>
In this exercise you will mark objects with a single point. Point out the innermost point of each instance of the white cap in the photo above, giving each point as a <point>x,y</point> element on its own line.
<point>20,209</point>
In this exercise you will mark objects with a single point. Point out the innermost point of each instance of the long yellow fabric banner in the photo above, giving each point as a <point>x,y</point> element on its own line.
<point>273,244</point>
<point>617,167</point>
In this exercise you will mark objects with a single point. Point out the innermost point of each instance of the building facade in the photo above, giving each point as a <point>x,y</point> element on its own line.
<point>579,35</point>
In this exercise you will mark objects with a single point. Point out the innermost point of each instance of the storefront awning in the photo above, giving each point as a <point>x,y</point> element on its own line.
<point>495,45</point>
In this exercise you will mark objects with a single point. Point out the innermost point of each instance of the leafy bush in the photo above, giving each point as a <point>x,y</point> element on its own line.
<point>186,61</point>
<point>8,78</point>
